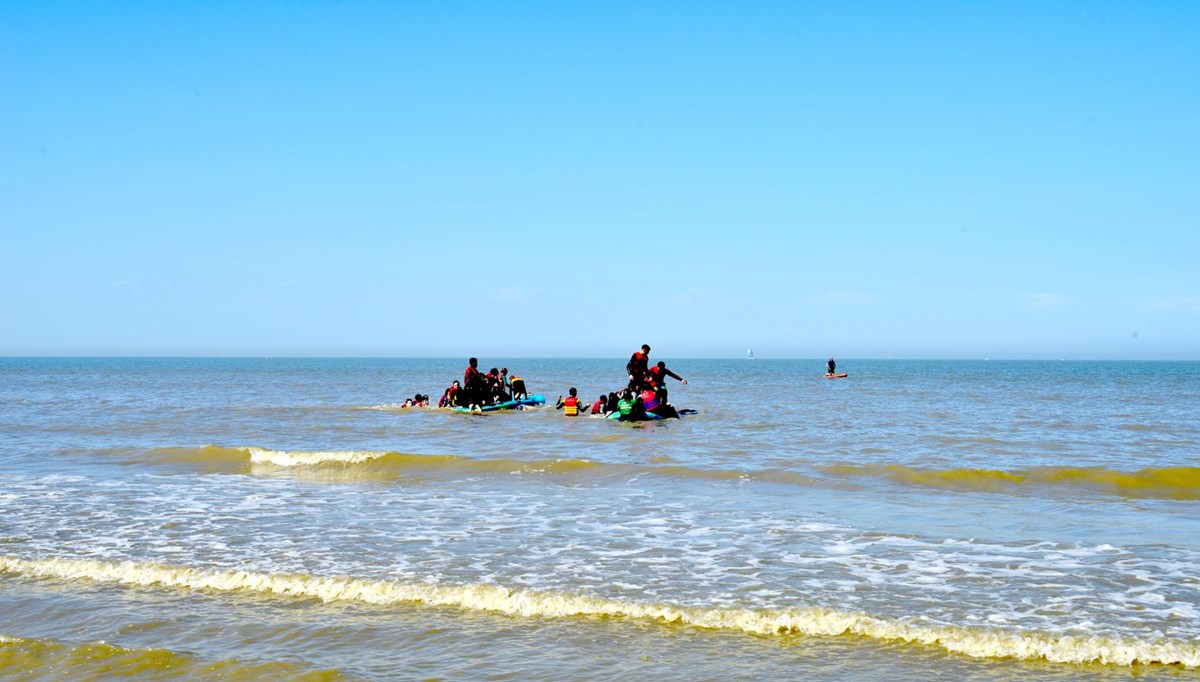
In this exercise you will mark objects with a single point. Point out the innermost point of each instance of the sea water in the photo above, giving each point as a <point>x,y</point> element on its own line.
<point>287,519</point>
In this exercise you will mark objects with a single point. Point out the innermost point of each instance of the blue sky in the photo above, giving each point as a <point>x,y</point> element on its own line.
<point>917,180</point>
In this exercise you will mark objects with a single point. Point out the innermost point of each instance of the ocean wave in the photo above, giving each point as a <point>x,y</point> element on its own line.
<point>22,658</point>
<point>1176,483</point>
<point>980,642</point>
<point>400,462</point>
<point>404,461</point>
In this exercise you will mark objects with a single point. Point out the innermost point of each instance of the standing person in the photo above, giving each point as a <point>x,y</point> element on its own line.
<point>830,367</point>
<point>637,365</point>
<point>659,374</point>
<point>472,383</point>
<point>570,406</point>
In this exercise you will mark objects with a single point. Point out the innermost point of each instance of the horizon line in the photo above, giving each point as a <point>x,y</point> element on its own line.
<point>595,357</point>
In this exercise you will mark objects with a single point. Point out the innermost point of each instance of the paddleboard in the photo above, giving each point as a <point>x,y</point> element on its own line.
<point>650,416</point>
<point>843,375</point>
<point>531,401</point>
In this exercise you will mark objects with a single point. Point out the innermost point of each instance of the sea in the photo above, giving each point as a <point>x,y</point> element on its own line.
<point>287,519</point>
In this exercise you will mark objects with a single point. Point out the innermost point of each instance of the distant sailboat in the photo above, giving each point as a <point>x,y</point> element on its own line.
<point>749,353</point>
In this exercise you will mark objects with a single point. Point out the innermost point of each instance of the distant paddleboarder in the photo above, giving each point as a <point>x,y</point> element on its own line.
<point>831,367</point>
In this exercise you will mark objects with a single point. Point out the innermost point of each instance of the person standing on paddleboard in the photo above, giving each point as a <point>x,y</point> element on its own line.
<point>831,367</point>
<point>472,383</point>
<point>638,363</point>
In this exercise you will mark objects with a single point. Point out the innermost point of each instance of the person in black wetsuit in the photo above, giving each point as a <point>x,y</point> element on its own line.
<point>830,367</point>
<point>610,405</point>
<point>494,387</point>
<point>518,388</point>
<point>658,374</point>
<point>473,387</point>
<point>637,366</point>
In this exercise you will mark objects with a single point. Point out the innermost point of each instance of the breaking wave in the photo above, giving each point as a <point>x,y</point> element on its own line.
<point>971,641</point>
<point>400,463</point>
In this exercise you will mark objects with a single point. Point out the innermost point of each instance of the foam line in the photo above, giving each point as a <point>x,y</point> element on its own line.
<point>970,641</point>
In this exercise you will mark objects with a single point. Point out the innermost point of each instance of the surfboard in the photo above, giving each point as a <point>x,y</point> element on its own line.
<point>843,375</point>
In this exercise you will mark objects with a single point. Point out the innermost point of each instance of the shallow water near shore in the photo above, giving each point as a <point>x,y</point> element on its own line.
<point>286,519</point>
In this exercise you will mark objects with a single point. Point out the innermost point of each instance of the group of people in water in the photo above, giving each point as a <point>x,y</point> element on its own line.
<point>645,396</point>
<point>478,389</point>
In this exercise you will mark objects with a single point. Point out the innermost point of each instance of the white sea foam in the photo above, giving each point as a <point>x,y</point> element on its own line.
<point>282,458</point>
<point>970,641</point>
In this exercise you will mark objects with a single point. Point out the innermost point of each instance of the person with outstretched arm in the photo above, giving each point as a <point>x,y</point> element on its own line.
<point>659,374</point>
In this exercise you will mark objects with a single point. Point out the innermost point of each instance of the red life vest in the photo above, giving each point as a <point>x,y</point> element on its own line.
<point>470,377</point>
<point>598,407</point>
<point>571,407</point>
<point>637,364</point>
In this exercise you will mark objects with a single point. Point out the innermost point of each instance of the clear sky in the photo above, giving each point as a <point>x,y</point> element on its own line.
<point>873,179</point>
